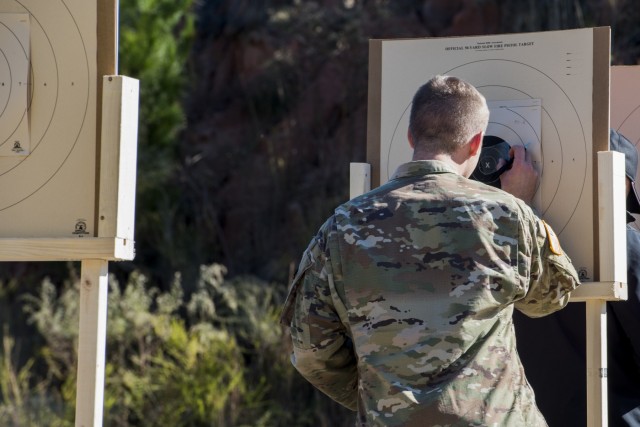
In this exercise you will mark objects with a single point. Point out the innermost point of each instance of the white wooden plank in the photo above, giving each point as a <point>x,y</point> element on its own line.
<point>597,408</point>
<point>66,249</point>
<point>359,179</point>
<point>92,343</point>
<point>612,235</point>
<point>607,291</point>
<point>118,157</point>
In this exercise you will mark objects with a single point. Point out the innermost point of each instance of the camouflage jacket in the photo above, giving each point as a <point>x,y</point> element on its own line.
<point>402,305</point>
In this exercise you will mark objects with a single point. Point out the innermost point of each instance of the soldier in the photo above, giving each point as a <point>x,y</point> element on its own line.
<point>402,305</point>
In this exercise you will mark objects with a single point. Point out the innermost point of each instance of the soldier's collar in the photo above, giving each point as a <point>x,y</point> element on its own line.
<point>422,167</point>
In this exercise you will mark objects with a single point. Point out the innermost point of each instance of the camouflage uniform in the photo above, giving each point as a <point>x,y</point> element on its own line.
<point>402,305</point>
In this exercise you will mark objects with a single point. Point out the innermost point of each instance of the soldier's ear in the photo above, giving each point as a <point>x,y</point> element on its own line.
<point>412,144</point>
<point>475,143</point>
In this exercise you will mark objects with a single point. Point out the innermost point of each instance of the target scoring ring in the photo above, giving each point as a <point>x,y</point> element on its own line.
<point>59,87</point>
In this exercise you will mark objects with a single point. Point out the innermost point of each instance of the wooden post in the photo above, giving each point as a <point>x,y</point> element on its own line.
<point>91,343</point>
<point>118,157</point>
<point>597,408</point>
<point>359,179</point>
<point>116,207</point>
<point>612,240</point>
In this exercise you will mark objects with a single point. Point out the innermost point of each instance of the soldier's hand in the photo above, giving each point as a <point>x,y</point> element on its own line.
<point>522,179</point>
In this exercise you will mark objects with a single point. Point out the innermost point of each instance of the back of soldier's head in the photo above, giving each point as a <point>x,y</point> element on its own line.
<point>446,112</point>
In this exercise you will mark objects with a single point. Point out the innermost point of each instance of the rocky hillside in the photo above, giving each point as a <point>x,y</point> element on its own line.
<point>277,107</point>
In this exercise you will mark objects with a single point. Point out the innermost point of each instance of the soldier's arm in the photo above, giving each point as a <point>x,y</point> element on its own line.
<point>322,350</point>
<point>548,274</point>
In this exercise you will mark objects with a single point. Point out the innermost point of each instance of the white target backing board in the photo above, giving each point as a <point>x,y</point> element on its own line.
<point>562,73</point>
<point>625,107</point>
<point>50,72</point>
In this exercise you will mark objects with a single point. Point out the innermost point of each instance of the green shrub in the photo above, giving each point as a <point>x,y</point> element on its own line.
<point>218,359</point>
<point>23,402</point>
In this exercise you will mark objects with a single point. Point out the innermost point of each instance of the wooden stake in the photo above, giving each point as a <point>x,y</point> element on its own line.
<point>92,343</point>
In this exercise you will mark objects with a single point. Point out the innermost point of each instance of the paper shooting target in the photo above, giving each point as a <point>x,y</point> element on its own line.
<point>628,125</point>
<point>629,128</point>
<point>565,170</point>
<point>50,188</point>
<point>625,109</point>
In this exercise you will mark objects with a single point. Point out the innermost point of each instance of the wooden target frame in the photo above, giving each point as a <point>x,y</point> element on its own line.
<point>57,200</point>
<point>68,159</point>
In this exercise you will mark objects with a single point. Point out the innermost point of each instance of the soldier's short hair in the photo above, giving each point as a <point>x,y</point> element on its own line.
<point>446,113</point>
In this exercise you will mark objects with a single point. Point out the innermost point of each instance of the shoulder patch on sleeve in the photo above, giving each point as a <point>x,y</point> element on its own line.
<point>554,243</point>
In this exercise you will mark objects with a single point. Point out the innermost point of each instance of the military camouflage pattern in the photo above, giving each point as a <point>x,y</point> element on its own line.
<point>402,305</point>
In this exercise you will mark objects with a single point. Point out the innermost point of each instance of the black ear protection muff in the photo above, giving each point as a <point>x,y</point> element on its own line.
<point>493,149</point>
